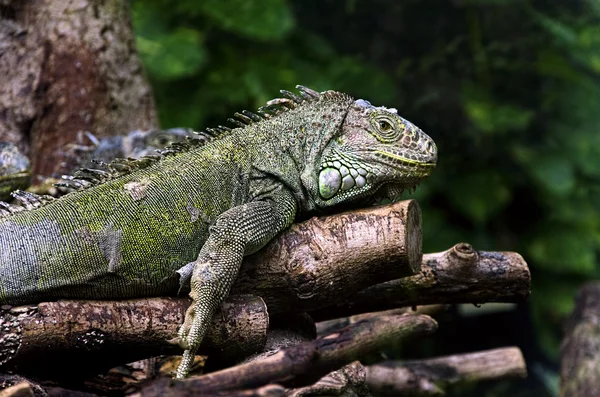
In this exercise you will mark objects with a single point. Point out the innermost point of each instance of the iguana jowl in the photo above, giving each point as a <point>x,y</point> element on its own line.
<point>150,226</point>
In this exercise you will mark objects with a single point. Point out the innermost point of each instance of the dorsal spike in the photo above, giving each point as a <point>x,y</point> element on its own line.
<point>71,182</point>
<point>266,115</point>
<point>251,115</point>
<point>213,132</point>
<point>92,174</point>
<point>100,163</point>
<point>166,152</point>
<point>87,177</point>
<point>292,96</point>
<point>307,93</point>
<point>27,199</point>
<point>11,208</point>
<point>236,122</point>
<point>45,198</point>
<point>243,118</point>
<point>288,103</point>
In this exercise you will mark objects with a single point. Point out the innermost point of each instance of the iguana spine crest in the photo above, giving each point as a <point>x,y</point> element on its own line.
<point>88,177</point>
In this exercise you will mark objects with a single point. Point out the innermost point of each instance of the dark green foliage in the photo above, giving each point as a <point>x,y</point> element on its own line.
<point>509,89</point>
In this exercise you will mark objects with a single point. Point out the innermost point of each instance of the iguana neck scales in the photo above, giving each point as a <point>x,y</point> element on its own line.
<point>187,217</point>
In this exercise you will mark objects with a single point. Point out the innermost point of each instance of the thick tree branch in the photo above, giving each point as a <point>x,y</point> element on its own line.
<point>107,333</point>
<point>580,349</point>
<point>303,364</point>
<point>457,275</point>
<point>328,259</point>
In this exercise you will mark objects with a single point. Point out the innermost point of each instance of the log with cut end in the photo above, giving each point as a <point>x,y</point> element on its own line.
<point>327,259</point>
<point>305,363</point>
<point>103,334</point>
<point>457,275</point>
<point>580,349</point>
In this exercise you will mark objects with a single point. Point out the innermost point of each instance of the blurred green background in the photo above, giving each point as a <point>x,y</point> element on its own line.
<point>509,90</point>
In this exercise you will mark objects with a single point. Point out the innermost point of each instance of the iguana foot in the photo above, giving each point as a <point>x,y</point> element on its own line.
<point>198,316</point>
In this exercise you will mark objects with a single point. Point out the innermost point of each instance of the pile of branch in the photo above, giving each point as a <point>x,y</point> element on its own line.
<point>363,261</point>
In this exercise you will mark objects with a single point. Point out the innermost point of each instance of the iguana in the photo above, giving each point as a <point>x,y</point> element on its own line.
<point>188,216</point>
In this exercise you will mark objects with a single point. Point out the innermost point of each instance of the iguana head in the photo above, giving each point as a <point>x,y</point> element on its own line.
<point>377,154</point>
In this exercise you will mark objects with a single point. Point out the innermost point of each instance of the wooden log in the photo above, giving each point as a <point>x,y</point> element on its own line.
<point>457,275</point>
<point>429,377</point>
<point>327,259</point>
<point>104,334</point>
<point>302,364</point>
<point>580,348</point>
<point>68,67</point>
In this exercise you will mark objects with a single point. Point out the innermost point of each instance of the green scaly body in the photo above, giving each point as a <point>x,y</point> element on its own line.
<point>193,214</point>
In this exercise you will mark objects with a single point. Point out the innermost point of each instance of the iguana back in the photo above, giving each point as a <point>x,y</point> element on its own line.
<point>125,237</point>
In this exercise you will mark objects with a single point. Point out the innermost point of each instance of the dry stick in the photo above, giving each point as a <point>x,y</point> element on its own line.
<point>580,349</point>
<point>457,275</point>
<point>305,363</point>
<point>103,334</point>
<point>428,377</point>
<point>328,326</point>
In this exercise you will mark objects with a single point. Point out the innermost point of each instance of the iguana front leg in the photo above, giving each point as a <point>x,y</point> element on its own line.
<point>237,232</point>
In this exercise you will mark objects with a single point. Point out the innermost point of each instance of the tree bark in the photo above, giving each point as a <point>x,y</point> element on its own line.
<point>105,334</point>
<point>68,66</point>
<point>457,275</point>
<point>328,259</point>
<point>303,364</point>
<point>329,326</point>
<point>431,376</point>
<point>580,349</point>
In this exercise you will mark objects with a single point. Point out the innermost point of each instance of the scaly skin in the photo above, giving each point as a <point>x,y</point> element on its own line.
<point>196,212</point>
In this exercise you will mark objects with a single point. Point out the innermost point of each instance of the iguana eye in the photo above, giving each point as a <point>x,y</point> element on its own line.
<point>385,126</point>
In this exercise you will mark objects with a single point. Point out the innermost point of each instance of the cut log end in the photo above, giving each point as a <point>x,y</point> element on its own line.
<point>413,235</point>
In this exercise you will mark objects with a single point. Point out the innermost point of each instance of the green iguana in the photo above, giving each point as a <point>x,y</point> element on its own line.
<point>188,216</point>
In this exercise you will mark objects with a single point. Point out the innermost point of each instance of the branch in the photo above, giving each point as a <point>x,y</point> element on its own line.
<point>107,333</point>
<point>457,275</point>
<point>303,364</point>
<point>328,259</point>
<point>329,326</point>
<point>427,377</point>
<point>580,349</point>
